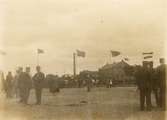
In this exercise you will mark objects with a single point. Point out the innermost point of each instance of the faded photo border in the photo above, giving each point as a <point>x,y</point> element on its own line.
<point>59,28</point>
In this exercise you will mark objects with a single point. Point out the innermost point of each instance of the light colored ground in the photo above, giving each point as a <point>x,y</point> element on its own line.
<point>117,103</point>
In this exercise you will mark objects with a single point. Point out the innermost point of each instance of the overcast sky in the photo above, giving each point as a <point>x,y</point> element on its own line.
<point>59,27</point>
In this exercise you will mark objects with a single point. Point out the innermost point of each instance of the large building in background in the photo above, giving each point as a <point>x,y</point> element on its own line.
<point>120,73</point>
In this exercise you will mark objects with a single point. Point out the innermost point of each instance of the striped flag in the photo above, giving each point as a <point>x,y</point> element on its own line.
<point>40,51</point>
<point>147,57</point>
<point>81,53</point>
<point>148,53</point>
<point>115,53</point>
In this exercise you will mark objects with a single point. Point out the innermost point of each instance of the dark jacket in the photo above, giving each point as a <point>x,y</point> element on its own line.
<point>38,80</point>
<point>24,80</point>
<point>144,78</point>
<point>8,83</point>
<point>161,75</point>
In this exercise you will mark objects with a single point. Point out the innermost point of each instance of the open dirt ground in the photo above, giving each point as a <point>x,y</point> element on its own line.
<point>117,103</point>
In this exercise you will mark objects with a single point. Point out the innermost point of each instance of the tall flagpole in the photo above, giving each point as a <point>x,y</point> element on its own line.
<point>74,64</point>
<point>110,57</point>
<point>37,58</point>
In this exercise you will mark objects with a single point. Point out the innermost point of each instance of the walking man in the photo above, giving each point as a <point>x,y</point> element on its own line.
<point>38,79</point>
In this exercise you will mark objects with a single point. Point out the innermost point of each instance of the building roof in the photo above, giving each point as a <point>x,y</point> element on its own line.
<point>121,64</point>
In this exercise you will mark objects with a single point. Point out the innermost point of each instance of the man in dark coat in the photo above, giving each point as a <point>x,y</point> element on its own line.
<point>20,83</point>
<point>155,86</point>
<point>144,82</point>
<point>9,81</point>
<point>27,85</point>
<point>38,79</point>
<point>161,70</point>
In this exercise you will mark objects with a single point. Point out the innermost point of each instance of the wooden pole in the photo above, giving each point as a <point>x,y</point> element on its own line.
<point>74,64</point>
<point>37,59</point>
<point>110,56</point>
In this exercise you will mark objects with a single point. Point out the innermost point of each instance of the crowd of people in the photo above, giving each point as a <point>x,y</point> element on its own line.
<point>21,84</point>
<point>152,80</point>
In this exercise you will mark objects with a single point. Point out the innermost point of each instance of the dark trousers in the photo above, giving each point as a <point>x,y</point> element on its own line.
<point>9,93</point>
<point>88,88</point>
<point>21,94</point>
<point>162,98</point>
<point>38,93</point>
<point>25,96</point>
<point>155,92</point>
<point>145,95</point>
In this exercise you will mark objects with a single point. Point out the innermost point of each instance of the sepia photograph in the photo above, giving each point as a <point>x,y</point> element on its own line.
<point>83,59</point>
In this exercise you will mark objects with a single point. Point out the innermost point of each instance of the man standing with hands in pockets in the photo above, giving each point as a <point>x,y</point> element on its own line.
<point>38,80</point>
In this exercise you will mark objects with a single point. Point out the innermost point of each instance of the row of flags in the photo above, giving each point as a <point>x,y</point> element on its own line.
<point>78,52</point>
<point>39,51</point>
<point>146,55</point>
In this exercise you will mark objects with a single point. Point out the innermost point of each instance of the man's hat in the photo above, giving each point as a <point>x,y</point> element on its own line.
<point>27,68</point>
<point>20,68</point>
<point>162,60</point>
<point>38,67</point>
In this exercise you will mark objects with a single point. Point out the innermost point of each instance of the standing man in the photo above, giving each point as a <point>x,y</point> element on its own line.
<point>155,86</point>
<point>140,87</point>
<point>15,83</point>
<point>20,84</point>
<point>88,83</point>
<point>3,82</point>
<point>162,83</point>
<point>143,77</point>
<point>27,85</point>
<point>9,86</point>
<point>38,79</point>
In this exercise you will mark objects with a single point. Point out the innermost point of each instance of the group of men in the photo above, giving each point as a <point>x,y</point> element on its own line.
<point>152,80</point>
<point>23,82</point>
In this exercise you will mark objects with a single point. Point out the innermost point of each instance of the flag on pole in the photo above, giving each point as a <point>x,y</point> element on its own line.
<point>148,53</point>
<point>147,57</point>
<point>81,53</point>
<point>40,51</point>
<point>115,53</point>
<point>2,52</point>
